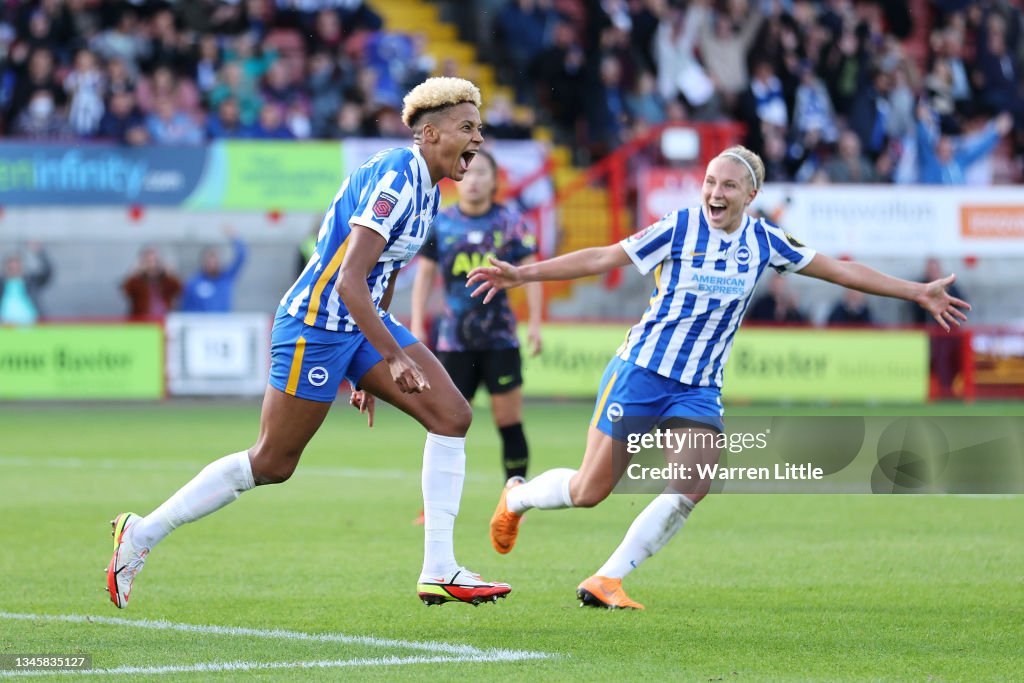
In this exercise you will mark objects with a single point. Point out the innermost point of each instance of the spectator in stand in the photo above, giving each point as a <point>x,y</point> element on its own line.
<point>279,87</point>
<point>680,73</point>
<point>168,46</point>
<point>211,289</point>
<point>643,102</point>
<point>560,73</point>
<point>20,286</point>
<point>226,122</point>
<point>207,64</point>
<point>845,69</point>
<point>85,85</point>
<point>763,104</point>
<point>349,122</point>
<point>607,114</point>
<point>168,125</point>
<point>997,76</point>
<point>42,120</point>
<point>943,160</point>
<point>271,124</point>
<point>253,61</point>
<point>125,41</point>
<point>724,48</point>
<point>163,83</point>
<point>234,84</point>
<point>851,309</point>
<point>850,165</point>
<point>40,74</point>
<point>520,33</point>
<point>326,83</point>
<point>813,106</point>
<point>118,76</point>
<point>151,289</point>
<point>778,305</point>
<point>122,121</point>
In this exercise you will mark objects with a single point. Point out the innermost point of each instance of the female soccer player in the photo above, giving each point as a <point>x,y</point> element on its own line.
<point>706,262</point>
<point>333,324</point>
<point>476,341</point>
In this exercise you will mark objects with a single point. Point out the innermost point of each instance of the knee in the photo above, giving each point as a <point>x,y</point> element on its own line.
<point>271,466</point>
<point>453,420</point>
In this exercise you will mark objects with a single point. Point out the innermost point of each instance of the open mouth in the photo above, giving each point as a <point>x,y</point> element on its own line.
<point>465,159</point>
<point>716,210</point>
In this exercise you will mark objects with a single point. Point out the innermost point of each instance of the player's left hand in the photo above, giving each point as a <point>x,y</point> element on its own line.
<point>944,308</point>
<point>363,401</point>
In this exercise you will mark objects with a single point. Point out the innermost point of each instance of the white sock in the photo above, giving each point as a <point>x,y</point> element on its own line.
<point>444,470</point>
<point>547,491</point>
<point>219,483</point>
<point>650,531</point>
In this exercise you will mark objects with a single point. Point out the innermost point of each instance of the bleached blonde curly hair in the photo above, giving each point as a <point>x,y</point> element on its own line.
<point>435,94</point>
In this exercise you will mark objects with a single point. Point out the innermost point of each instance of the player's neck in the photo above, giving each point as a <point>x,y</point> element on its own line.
<point>474,209</point>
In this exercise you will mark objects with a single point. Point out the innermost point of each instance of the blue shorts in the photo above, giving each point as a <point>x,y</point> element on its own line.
<point>310,362</point>
<point>633,400</point>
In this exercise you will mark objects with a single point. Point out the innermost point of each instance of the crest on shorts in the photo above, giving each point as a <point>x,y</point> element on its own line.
<point>384,204</point>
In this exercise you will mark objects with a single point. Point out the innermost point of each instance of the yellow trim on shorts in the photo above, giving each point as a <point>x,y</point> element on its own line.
<point>296,369</point>
<point>318,289</point>
<point>604,397</point>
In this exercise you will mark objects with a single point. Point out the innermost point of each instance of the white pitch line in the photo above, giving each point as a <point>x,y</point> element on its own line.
<point>498,654</point>
<point>178,466</point>
<point>258,666</point>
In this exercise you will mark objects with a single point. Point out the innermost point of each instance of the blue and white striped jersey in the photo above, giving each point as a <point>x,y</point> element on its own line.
<point>703,281</point>
<point>391,194</point>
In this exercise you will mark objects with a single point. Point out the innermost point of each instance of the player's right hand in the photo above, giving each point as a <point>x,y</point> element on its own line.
<point>492,279</point>
<point>407,374</point>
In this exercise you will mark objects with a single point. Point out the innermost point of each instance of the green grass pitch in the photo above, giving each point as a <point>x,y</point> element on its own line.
<point>756,587</point>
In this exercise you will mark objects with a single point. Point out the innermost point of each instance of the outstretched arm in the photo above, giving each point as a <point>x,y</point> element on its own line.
<point>576,264</point>
<point>931,296</point>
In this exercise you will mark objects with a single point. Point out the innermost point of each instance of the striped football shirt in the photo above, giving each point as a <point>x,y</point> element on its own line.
<point>703,281</point>
<point>390,194</point>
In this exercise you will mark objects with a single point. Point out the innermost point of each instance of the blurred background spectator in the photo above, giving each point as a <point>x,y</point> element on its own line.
<point>151,288</point>
<point>851,309</point>
<point>20,285</point>
<point>777,305</point>
<point>211,288</point>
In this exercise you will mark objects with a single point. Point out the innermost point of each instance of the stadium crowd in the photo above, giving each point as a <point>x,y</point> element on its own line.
<point>154,72</point>
<point>830,90</point>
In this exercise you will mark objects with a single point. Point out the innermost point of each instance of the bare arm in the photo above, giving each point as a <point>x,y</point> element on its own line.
<point>930,296</point>
<point>365,248</point>
<point>421,287</point>
<point>576,264</point>
<point>535,306</point>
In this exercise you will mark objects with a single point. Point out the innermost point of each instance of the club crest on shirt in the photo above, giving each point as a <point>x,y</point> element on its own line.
<point>742,255</point>
<point>384,204</point>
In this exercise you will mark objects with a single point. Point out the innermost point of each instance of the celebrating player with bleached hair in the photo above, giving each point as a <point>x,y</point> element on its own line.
<point>332,325</point>
<point>668,372</point>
